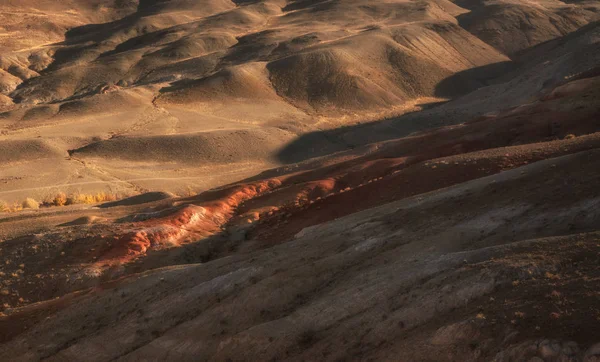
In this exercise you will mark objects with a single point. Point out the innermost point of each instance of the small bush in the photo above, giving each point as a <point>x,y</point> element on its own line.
<point>103,197</point>
<point>60,199</point>
<point>79,199</point>
<point>90,199</point>
<point>30,203</point>
<point>5,207</point>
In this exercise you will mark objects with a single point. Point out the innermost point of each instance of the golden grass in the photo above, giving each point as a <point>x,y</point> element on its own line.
<point>90,198</point>
<point>30,203</point>
<point>6,207</point>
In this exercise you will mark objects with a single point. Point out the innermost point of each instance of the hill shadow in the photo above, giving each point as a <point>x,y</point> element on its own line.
<point>431,115</point>
<point>82,39</point>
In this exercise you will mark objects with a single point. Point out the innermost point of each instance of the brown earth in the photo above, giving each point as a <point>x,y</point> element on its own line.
<point>404,180</point>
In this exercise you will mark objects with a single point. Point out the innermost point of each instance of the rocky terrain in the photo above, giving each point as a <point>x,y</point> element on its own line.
<point>412,180</point>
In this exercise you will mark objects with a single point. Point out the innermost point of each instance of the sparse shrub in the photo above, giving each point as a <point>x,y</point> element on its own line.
<point>30,203</point>
<point>82,199</point>
<point>6,207</point>
<point>87,199</point>
<point>60,199</point>
<point>103,197</point>
<point>71,200</point>
<point>90,199</point>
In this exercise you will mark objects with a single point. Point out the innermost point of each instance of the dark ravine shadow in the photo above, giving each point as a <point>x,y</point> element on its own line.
<point>303,4</point>
<point>86,38</point>
<point>138,199</point>
<point>93,41</point>
<point>323,143</point>
<point>250,48</point>
<point>472,79</point>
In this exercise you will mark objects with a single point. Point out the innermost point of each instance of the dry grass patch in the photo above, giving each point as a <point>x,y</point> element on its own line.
<point>90,198</point>
<point>30,203</point>
<point>60,199</point>
<point>14,207</point>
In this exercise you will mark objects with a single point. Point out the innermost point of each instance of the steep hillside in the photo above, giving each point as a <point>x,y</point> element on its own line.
<point>513,26</point>
<point>471,242</point>
<point>77,73</point>
<point>171,68</point>
<point>265,180</point>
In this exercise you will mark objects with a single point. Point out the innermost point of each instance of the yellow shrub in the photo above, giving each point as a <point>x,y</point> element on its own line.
<point>103,197</point>
<point>5,207</point>
<point>90,199</point>
<point>60,199</point>
<point>30,203</point>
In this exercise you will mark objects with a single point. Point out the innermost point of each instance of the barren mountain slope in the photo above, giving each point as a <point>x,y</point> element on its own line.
<point>487,254</point>
<point>381,180</point>
<point>385,283</point>
<point>177,69</point>
<point>519,86</point>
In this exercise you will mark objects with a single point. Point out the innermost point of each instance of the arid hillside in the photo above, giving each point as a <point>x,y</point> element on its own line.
<point>337,180</point>
<point>122,97</point>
